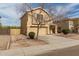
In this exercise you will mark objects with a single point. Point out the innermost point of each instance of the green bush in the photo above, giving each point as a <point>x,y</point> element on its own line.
<point>31,35</point>
<point>66,31</point>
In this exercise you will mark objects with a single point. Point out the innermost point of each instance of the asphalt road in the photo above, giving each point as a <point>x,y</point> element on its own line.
<point>71,51</point>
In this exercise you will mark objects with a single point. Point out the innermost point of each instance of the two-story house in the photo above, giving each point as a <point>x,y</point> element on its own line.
<point>29,22</point>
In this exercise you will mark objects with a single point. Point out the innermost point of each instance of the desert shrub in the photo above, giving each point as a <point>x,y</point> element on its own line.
<point>31,35</point>
<point>66,31</point>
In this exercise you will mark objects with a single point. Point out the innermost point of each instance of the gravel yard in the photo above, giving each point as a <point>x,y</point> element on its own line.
<point>22,41</point>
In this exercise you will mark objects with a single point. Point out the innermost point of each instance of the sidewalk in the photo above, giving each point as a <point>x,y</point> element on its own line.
<point>55,43</point>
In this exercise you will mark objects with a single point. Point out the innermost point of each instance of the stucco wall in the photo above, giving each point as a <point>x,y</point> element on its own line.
<point>42,31</point>
<point>14,31</point>
<point>76,22</point>
<point>71,24</point>
<point>45,16</point>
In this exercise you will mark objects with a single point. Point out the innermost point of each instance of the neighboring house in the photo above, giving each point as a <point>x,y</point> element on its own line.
<point>71,24</point>
<point>28,23</point>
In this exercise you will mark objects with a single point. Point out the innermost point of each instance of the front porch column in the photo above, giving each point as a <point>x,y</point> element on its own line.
<point>56,29</point>
<point>48,30</point>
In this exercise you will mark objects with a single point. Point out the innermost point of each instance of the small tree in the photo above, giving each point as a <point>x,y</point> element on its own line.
<point>22,8</point>
<point>59,13</point>
<point>39,20</point>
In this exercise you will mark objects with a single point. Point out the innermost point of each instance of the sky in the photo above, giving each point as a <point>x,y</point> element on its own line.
<point>10,15</point>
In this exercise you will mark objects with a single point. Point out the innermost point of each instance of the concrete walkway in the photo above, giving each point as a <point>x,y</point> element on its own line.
<point>55,43</point>
<point>5,41</point>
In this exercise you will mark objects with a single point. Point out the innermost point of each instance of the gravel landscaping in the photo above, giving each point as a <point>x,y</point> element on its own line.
<point>22,41</point>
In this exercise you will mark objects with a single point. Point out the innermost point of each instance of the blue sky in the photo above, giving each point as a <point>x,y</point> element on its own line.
<point>10,17</point>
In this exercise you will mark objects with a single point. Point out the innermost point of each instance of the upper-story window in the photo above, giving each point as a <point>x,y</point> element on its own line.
<point>37,18</point>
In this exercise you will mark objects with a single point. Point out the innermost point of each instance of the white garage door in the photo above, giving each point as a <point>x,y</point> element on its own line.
<point>43,31</point>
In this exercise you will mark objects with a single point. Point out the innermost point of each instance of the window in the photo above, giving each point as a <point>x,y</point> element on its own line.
<point>37,18</point>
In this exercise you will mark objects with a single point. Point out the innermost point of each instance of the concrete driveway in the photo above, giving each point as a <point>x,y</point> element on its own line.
<point>57,46</point>
<point>71,51</point>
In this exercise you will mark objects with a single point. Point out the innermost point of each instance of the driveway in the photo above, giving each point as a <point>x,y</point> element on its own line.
<point>71,51</point>
<point>71,36</point>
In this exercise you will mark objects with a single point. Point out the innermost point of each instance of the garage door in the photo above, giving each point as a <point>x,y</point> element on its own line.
<point>43,31</point>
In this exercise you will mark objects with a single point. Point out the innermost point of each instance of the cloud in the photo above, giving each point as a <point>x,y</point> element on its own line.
<point>12,22</point>
<point>71,5</point>
<point>67,10</point>
<point>73,10</point>
<point>74,15</point>
<point>9,12</point>
<point>9,15</point>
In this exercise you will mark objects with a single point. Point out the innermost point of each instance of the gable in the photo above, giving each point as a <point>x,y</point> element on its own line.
<point>37,10</point>
<point>41,12</point>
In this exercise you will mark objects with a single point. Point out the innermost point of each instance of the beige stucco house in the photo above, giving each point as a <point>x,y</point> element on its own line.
<point>28,22</point>
<point>71,24</point>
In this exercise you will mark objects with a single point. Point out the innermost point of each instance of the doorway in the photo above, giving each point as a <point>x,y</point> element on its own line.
<point>52,29</point>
